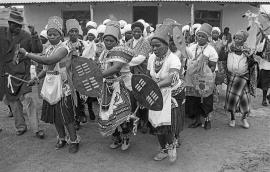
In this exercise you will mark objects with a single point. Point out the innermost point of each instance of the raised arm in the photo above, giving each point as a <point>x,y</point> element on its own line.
<point>56,57</point>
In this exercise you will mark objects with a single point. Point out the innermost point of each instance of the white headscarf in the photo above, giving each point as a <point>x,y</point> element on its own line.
<point>93,31</point>
<point>216,29</point>
<point>101,28</point>
<point>91,23</point>
<point>44,34</point>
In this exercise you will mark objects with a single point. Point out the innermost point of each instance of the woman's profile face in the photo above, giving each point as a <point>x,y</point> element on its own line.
<point>159,47</point>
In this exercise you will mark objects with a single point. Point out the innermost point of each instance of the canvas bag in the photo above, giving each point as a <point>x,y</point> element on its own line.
<point>202,78</point>
<point>52,90</point>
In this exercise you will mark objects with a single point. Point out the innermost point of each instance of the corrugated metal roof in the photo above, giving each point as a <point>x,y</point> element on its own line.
<point>96,1</point>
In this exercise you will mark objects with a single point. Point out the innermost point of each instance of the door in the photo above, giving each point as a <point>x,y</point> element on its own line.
<point>148,13</point>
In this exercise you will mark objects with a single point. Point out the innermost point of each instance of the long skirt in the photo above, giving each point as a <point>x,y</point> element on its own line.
<point>62,111</point>
<point>237,97</point>
<point>264,79</point>
<point>178,114</point>
<point>196,107</point>
<point>115,108</point>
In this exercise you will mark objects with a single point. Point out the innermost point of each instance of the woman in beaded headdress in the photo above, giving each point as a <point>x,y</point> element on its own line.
<point>115,107</point>
<point>164,67</point>
<point>60,111</point>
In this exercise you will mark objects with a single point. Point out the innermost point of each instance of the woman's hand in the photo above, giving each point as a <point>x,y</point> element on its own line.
<point>34,81</point>
<point>22,51</point>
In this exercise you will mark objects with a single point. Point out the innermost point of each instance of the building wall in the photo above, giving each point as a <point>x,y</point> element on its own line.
<point>231,13</point>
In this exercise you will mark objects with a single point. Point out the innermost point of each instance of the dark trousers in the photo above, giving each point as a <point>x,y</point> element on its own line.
<point>80,107</point>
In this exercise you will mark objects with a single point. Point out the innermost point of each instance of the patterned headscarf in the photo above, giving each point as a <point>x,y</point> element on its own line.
<point>113,29</point>
<point>55,22</point>
<point>72,24</point>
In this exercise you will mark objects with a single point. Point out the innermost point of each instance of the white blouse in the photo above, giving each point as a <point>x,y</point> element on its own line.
<point>171,61</point>
<point>237,64</point>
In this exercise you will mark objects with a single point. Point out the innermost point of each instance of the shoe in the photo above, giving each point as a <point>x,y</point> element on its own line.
<point>125,144</point>
<point>10,114</point>
<point>60,144</point>
<point>245,123</point>
<point>195,125</point>
<point>40,134</point>
<point>172,153</point>
<point>20,132</point>
<point>264,103</point>
<point>73,147</point>
<point>115,144</point>
<point>207,125</point>
<point>232,123</point>
<point>92,115</point>
<point>83,119</point>
<point>161,155</point>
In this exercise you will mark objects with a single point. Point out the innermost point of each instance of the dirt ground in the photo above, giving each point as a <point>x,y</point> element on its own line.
<point>221,149</point>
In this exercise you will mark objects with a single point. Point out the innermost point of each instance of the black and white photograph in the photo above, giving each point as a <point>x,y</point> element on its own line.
<point>134,85</point>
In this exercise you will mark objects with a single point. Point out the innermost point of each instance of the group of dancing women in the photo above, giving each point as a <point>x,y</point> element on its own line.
<point>187,69</point>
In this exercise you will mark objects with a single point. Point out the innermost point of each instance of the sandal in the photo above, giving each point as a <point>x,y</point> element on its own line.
<point>195,125</point>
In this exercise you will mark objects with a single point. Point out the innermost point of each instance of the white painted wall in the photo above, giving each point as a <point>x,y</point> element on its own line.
<point>231,13</point>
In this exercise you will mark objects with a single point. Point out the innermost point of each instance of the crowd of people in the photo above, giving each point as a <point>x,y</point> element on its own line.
<point>186,71</point>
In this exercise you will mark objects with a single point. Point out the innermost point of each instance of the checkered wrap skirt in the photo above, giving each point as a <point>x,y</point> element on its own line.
<point>237,96</point>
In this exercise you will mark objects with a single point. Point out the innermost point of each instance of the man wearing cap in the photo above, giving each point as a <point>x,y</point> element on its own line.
<point>138,64</point>
<point>201,52</point>
<point>18,92</point>
<point>74,43</point>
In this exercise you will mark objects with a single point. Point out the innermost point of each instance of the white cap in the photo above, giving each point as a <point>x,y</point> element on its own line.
<point>44,34</point>
<point>93,31</point>
<point>152,29</point>
<point>185,28</point>
<point>123,23</point>
<point>91,23</point>
<point>216,29</point>
<point>106,21</point>
<point>197,30</point>
<point>101,28</point>
<point>195,26</point>
<point>142,21</point>
<point>127,28</point>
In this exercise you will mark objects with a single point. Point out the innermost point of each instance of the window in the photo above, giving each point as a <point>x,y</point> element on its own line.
<point>211,17</point>
<point>82,16</point>
<point>148,13</point>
